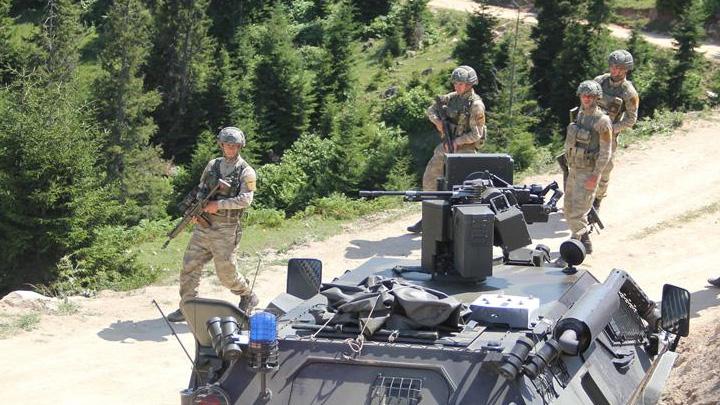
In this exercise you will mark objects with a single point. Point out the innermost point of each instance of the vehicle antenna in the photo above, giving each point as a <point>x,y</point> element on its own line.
<point>257,270</point>
<point>512,60</point>
<point>177,337</point>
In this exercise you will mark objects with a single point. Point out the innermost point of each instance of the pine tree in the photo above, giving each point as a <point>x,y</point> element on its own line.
<point>52,193</point>
<point>335,81</point>
<point>59,40</point>
<point>511,122</point>
<point>178,68</point>
<point>549,37</point>
<point>370,9</point>
<point>8,55</point>
<point>477,50</point>
<point>413,17</point>
<point>687,32</point>
<point>281,89</point>
<point>228,15</point>
<point>124,110</point>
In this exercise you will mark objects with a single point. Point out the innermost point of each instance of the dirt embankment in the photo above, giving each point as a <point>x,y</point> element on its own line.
<point>662,217</point>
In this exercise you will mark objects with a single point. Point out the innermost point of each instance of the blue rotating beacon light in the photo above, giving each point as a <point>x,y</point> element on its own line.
<point>263,348</point>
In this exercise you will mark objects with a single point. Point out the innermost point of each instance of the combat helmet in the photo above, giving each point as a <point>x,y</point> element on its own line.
<point>590,87</point>
<point>232,135</point>
<point>464,74</point>
<point>621,57</point>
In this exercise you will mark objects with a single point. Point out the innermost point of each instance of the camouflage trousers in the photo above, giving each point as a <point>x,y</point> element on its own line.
<point>605,177</point>
<point>218,242</point>
<point>578,201</point>
<point>435,166</point>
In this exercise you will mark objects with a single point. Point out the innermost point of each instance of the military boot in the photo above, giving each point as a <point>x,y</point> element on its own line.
<point>417,228</point>
<point>176,316</point>
<point>715,282</point>
<point>596,204</point>
<point>248,302</point>
<point>585,239</point>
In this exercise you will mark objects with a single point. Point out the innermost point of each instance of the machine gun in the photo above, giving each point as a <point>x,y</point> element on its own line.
<point>195,211</point>
<point>460,227</point>
<point>489,189</point>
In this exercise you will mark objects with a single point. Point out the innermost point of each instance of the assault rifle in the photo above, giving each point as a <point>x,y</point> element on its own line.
<point>195,211</point>
<point>448,137</point>
<point>594,218</point>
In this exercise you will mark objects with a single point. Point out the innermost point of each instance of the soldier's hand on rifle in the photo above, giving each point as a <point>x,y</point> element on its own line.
<point>591,182</point>
<point>211,207</point>
<point>455,146</point>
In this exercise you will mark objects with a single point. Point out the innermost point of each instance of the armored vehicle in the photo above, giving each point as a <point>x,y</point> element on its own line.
<point>463,326</point>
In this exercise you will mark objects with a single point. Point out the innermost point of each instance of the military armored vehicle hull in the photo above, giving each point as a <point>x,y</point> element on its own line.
<point>457,327</point>
<point>626,363</point>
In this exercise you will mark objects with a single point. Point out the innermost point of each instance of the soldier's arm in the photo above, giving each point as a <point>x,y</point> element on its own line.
<point>433,112</point>
<point>202,188</point>
<point>477,130</point>
<point>632,102</point>
<point>604,128</point>
<point>248,179</point>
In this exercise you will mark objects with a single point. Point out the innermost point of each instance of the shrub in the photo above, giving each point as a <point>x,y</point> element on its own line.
<point>265,217</point>
<point>108,262</point>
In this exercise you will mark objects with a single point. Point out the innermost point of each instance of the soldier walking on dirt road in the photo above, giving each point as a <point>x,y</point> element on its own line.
<point>219,241</point>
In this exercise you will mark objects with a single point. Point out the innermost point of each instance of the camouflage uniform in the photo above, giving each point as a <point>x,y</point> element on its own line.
<point>220,240</point>
<point>466,113</point>
<point>620,100</point>
<point>588,149</point>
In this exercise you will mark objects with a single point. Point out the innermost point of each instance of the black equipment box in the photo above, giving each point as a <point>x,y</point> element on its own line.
<point>436,230</point>
<point>512,232</point>
<point>473,240</point>
<point>534,213</point>
<point>459,165</point>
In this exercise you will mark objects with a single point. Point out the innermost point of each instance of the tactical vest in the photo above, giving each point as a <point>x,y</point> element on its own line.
<point>582,143</point>
<point>233,178</point>
<point>612,100</point>
<point>458,112</point>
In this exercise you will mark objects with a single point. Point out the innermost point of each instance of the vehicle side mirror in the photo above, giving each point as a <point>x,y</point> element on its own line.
<point>304,277</point>
<point>675,310</point>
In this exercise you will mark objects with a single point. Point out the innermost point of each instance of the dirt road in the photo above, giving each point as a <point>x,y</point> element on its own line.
<point>711,51</point>
<point>662,219</point>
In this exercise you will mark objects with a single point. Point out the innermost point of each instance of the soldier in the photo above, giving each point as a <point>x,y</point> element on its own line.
<point>465,112</point>
<point>588,148</point>
<point>219,241</point>
<point>620,100</point>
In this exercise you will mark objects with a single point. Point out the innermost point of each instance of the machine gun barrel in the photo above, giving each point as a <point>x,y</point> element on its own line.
<point>410,195</point>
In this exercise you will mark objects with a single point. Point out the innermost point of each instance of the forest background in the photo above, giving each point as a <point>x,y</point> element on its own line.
<point>109,110</point>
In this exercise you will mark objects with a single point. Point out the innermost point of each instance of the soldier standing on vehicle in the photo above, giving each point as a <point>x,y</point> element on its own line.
<point>620,101</point>
<point>219,241</point>
<point>465,115</point>
<point>588,148</point>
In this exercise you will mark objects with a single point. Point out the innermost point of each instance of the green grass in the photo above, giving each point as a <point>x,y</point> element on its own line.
<point>67,307</point>
<point>679,221</point>
<point>634,4</point>
<point>373,74</point>
<point>256,240</point>
<point>10,325</point>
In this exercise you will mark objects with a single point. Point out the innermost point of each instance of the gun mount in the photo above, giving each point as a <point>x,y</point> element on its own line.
<point>527,335</point>
<point>462,226</point>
